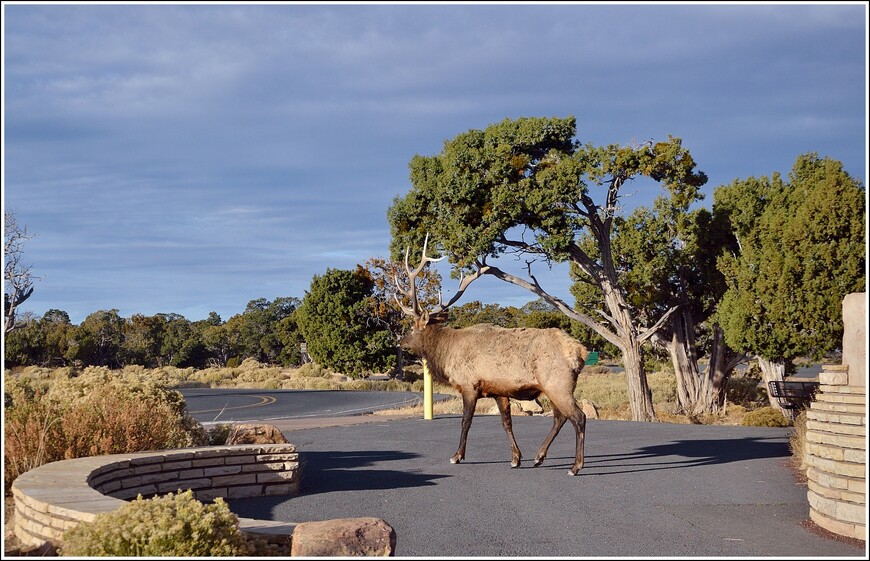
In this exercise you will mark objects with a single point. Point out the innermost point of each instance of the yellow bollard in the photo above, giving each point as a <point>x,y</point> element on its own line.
<point>427,392</point>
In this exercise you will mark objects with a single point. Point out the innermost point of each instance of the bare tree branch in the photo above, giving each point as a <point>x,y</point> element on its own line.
<point>652,330</point>
<point>18,278</point>
<point>556,302</point>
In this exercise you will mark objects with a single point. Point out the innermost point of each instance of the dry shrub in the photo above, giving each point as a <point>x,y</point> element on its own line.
<point>746,388</point>
<point>797,441</point>
<point>360,385</point>
<point>310,384</point>
<point>33,436</point>
<point>105,424</point>
<point>312,370</point>
<point>97,412</point>
<point>765,417</point>
<point>411,373</point>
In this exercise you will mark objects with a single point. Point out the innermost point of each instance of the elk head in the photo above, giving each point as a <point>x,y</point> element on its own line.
<point>424,319</point>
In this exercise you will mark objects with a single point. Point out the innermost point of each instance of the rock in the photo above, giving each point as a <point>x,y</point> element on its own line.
<point>516,409</point>
<point>344,537</point>
<point>589,409</point>
<point>255,433</point>
<point>529,406</point>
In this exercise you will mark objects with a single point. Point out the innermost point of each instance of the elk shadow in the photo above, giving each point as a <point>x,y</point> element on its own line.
<point>682,454</point>
<point>327,472</point>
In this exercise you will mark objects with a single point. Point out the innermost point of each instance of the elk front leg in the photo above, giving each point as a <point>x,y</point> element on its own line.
<point>504,407</point>
<point>469,403</point>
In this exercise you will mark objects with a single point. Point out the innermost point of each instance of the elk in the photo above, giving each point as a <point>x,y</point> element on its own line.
<point>491,361</point>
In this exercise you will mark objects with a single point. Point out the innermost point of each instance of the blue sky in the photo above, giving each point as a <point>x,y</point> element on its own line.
<point>189,158</point>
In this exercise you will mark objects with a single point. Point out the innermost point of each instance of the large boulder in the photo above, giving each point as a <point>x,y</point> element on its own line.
<point>344,537</point>
<point>255,433</point>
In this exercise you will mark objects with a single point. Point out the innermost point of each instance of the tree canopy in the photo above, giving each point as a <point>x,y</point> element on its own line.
<point>337,322</point>
<point>801,250</point>
<point>526,186</point>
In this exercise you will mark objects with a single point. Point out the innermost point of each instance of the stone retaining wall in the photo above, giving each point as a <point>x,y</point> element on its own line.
<point>53,498</point>
<point>836,454</point>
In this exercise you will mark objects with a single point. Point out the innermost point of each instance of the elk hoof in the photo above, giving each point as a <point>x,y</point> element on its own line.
<point>515,464</point>
<point>538,462</point>
<point>572,471</point>
<point>454,460</point>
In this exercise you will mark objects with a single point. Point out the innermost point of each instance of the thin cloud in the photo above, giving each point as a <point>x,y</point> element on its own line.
<point>191,158</point>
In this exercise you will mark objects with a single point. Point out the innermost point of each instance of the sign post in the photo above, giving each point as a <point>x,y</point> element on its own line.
<point>427,392</point>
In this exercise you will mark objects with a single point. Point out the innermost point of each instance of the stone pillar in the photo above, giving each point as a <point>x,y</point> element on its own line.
<point>836,450</point>
<point>855,337</point>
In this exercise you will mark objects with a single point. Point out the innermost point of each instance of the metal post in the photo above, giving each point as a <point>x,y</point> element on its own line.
<point>427,392</point>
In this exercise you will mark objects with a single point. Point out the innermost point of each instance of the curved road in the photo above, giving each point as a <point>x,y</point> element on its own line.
<point>209,405</point>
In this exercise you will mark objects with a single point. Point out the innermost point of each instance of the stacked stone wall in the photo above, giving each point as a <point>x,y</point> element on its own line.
<point>836,447</point>
<point>54,498</point>
<point>836,455</point>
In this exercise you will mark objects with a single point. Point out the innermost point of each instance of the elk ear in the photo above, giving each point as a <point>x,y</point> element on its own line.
<point>438,319</point>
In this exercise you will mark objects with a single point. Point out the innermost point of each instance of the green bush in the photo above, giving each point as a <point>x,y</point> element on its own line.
<point>218,434</point>
<point>174,525</point>
<point>765,417</point>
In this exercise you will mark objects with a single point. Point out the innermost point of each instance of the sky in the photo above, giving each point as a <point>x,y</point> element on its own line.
<point>188,158</point>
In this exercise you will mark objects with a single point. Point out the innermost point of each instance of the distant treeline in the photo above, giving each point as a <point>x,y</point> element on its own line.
<point>266,331</point>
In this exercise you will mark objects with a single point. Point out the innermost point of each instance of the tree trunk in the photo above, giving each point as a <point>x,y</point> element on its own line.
<point>684,357</point>
<point>714,382</point>
<point>400,363</point>
<point>639,394</point>
<point>774,371</point>
<point>623,334</point>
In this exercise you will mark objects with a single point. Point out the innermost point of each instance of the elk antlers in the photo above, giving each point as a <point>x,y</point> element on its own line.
<point>415,310</point>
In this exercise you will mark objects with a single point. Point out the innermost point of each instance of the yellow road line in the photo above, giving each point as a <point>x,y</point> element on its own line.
<point>264,400</point>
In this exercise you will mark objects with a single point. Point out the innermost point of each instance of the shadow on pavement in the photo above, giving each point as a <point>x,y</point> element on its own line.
<point>693,453</point>
<point>326,472</point>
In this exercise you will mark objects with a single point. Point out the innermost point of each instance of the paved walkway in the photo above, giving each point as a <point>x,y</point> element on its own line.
<point>648,489</point>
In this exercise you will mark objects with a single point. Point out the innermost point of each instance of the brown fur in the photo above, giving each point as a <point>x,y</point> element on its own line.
<point>491,361</point>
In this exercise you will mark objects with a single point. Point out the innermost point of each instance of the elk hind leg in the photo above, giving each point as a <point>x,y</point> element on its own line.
<point>469,402</point>
<point>558,422</point>
<point>504,407</point>
<point>575,414</point>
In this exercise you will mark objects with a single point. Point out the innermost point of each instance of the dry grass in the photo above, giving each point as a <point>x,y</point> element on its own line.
<point>607,390</point>
<point>797,441</point>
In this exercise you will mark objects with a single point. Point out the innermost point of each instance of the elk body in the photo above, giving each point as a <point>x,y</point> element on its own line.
<point>491,361</point>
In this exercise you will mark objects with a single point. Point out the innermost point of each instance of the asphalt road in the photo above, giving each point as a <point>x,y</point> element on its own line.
<point>647,489</point>
<point>239,405</point>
